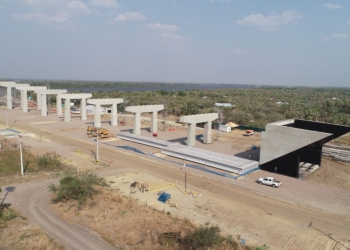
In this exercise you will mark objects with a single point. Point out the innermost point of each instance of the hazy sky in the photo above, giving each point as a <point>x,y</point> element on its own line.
<point>270,42</point>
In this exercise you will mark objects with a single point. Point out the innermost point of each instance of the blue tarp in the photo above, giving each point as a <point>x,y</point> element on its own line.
<point>164,197</point>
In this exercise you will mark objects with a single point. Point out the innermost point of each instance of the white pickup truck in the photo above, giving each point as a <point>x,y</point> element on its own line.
<point>269,181</point>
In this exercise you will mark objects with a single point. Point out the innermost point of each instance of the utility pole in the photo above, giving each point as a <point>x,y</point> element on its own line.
<point>97,153</point>
<point>7,119</point>
<point>20,151</point>
<point>185,183</point>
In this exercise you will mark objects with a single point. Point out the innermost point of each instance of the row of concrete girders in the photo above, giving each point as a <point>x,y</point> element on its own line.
<point>42,92</point>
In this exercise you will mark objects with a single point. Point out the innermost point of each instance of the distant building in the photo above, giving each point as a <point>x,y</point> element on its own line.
<point>225,105</point>
<point>90,109</point>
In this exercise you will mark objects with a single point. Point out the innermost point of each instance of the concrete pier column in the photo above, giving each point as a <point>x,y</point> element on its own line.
<point>137,123</point>
<point>207,132</point>
<point>191,135</point>
<point>97,116</point>
<point>83,109</point>
<point>9,98</point>
<point>24,101</point>
<point>114,115</point>
<point>38,101</point>
<point>59,104</point>
<point>154,121</point>
<point>43,105</point>
<point>67,110</point>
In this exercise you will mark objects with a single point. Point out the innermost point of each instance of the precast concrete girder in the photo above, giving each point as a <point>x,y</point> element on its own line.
<point>43,94</point>
<point>137,110</point>
<point>97,113</point>
<point>68,97</point>
<point>24,95</point>
<point>192,120</point>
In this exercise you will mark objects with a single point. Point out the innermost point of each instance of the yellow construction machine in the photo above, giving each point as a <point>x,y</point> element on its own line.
<point>101,132</point>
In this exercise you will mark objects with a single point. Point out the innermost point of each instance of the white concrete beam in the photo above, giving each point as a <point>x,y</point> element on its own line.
<point>199,118</point>
<point>105,101</point>
<point>144,108</point>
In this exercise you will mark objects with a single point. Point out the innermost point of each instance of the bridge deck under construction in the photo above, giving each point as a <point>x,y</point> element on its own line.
<point>225,162</point>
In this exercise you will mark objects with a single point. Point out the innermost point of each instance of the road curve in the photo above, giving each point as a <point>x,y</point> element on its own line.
<point>33,199</point>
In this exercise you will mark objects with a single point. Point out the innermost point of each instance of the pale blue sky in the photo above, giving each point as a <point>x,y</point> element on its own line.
<point>269,42</point>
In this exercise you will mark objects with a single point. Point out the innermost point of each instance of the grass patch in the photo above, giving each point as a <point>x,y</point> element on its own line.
<point>10,163</point>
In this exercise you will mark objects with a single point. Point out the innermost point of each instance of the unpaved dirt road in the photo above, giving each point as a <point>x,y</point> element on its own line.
<point>258,218</point>
<point>33,199</point>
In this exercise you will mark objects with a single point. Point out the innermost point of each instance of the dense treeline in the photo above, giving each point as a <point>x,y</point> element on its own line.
<point>253,106</point>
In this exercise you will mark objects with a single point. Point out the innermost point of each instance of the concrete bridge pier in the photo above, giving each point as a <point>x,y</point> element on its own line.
<point>44,106</point>
<point>114,118</point>
<point>97,116</point>
<point>154,122</point>
<point>59,104</point>
<point>67,110</point>
<point>137,123</point>
<point>207,132</point>
<point>192,120</point>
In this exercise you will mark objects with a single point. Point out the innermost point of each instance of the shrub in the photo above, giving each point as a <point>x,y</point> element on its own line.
<point>77,187</point>
<point>202,238</point>
<point>49,161</point>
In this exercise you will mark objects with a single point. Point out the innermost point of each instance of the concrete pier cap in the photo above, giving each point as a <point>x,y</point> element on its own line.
<point>43,96</point>
<point>97,114</point>
<point>137,110</point>
<point>68,97</point>
<point>24,96</point>
<point>9,86</point>
<point>192,120</point>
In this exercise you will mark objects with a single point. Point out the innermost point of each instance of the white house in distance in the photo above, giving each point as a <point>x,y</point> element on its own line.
<point>90,110</point>
<point>225,105</point>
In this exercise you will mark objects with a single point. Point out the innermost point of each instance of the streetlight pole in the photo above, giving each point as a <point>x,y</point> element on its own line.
<point>7,120</point>
<point>97,153</point>
<point>20,150</point>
